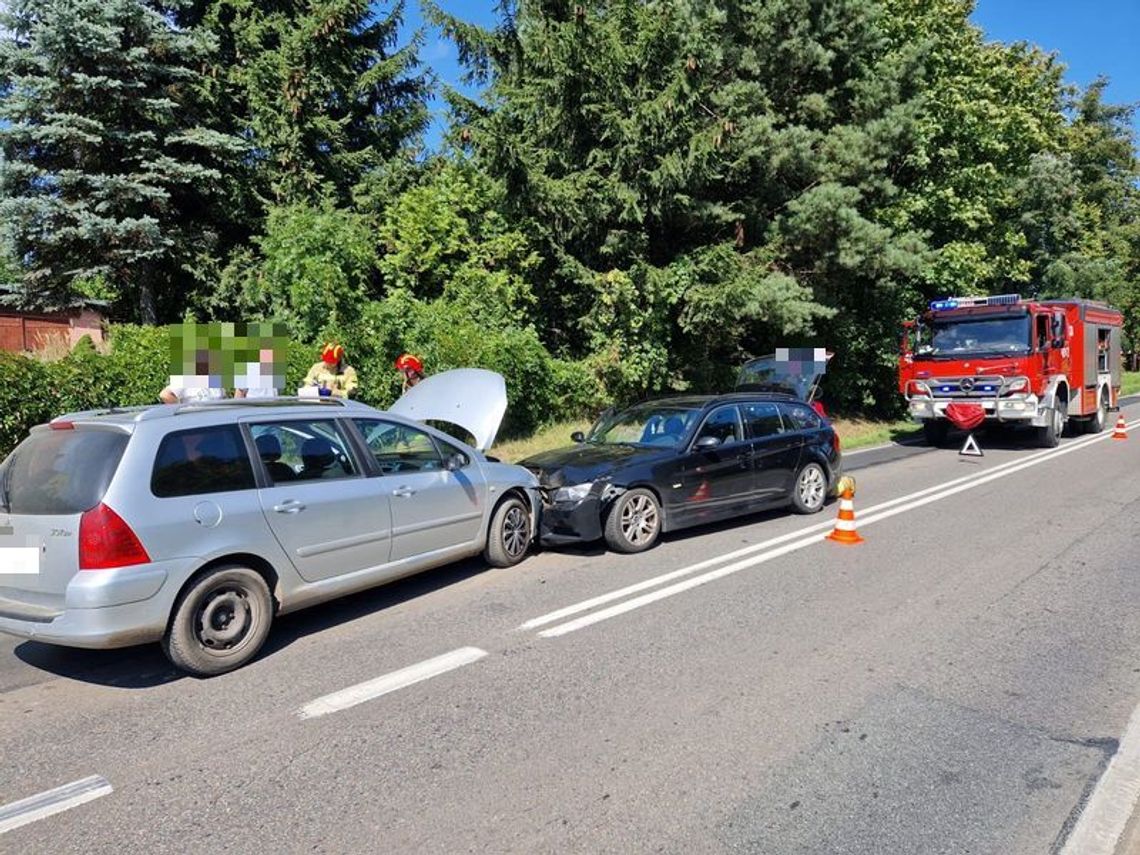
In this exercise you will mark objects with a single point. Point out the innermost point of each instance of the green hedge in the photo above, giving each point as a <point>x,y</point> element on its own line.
<point>134,370</point>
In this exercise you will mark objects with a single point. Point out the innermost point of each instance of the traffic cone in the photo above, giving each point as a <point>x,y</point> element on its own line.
<point>844,531</point>
<point>1120,431</point>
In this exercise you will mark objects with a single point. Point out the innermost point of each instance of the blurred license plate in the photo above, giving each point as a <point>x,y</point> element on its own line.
<point>19,561</point>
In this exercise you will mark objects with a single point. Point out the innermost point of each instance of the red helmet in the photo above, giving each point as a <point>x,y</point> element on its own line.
<point>408,362</point>
<point>332,354</point>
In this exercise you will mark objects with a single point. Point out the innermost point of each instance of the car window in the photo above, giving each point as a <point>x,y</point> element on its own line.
<point>400,448</point>
<point>724,424</point>
<point>449,450</point>
<point>800,417</point>
<point>60,471</point>
<point>762,419</point>
<point>201,460</point>
<point>303,451</point>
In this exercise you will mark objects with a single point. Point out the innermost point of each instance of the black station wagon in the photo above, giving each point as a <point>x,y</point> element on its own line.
<point>674,462</point>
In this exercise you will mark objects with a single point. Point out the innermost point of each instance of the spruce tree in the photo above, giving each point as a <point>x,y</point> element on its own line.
<point>108,164</point>
<point>321,88</point>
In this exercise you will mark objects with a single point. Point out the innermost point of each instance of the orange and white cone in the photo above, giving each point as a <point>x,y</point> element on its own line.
<point>1120,431</point>
<point>844,531</point>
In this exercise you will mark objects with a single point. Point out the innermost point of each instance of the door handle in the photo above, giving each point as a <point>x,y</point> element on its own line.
<point>403,492</point>
<point>290,506</point>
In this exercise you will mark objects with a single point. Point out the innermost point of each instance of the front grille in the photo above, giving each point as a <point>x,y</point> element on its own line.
<point>965,387</point>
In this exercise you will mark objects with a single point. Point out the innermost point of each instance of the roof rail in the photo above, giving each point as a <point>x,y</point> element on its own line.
<point>283,401</point>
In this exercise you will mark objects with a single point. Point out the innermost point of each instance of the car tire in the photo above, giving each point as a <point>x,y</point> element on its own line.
<point>633,523</point>
<point>809,492</point>
<point>934,431</point>
<point>220,622</point>
<point>1050,435</point>
<point>509,534</point>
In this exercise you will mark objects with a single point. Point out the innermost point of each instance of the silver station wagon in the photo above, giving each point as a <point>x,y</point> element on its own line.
<point>196,524</point>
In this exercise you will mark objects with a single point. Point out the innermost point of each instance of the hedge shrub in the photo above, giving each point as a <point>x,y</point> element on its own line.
<point>540,389</point>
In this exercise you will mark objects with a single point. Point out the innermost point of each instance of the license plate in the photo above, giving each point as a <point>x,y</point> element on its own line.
<point>19,561</point>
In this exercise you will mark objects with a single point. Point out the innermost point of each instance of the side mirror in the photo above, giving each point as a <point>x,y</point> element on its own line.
<point>706,442</point>
<point>578,436</point>
<point>454,463</point>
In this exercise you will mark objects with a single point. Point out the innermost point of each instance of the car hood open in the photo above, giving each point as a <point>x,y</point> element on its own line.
<point>472,398</point>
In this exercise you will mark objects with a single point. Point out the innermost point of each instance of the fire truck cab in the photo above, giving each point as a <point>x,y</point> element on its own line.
<point>1040,364</point>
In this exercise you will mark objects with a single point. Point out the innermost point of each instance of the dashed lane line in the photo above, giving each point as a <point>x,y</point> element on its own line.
<point>371,689</point>
<point>51,802</point>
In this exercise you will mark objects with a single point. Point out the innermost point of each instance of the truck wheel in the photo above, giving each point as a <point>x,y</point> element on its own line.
<point>219,622</point>
<point>1050,435</point>
<point>634,522</point>
<point>509,535</point>
<point>935,431</point>
<point>1100,420</point>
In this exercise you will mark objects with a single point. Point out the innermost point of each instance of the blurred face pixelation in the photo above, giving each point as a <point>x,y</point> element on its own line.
<point>229,355</point>
<point>799,361</point>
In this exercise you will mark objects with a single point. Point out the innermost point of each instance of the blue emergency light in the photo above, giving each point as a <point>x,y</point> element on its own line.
<point>968,302</point>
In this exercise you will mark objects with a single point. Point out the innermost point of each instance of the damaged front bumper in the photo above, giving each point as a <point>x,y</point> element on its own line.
<point>571,522</point>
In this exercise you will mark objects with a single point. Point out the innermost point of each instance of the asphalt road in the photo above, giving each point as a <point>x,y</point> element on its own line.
<point>957,683</point>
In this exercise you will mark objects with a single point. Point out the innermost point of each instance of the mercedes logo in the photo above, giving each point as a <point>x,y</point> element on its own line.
<point>967,384</point>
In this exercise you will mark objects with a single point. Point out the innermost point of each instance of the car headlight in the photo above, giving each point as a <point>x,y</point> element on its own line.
<point>576,493</point>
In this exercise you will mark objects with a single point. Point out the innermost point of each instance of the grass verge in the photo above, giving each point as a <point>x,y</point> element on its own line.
<point>853,433</point>
<point>1130,383</point>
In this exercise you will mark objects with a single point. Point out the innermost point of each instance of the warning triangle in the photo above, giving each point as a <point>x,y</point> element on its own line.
<point>971,447</point>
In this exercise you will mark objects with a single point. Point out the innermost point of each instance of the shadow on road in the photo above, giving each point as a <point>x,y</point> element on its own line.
<point>145,666</point>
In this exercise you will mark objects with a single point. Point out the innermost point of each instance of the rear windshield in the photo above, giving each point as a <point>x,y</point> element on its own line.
<point>60,471</point>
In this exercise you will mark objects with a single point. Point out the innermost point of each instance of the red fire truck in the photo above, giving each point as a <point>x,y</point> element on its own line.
<point>1042,364</point>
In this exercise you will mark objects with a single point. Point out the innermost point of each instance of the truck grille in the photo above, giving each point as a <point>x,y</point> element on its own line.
<point>965,387</point>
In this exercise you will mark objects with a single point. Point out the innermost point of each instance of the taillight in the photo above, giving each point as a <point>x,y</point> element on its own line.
<point>835,440</point>
<point>62,425</point>
<point>106,541</point>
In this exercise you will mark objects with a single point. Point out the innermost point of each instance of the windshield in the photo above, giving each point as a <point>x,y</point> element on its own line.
<point>646,424</point>
<point>975,335</point>
<point>60,472</point>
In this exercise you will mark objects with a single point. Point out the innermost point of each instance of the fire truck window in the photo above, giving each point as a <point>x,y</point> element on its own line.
<point>1042,331</point>
<point>1102,340</point>
<point>1059,325</point>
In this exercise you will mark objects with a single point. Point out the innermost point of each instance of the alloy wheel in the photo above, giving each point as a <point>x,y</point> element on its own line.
<point>812,487</point>
<point>516,532</point>
<point>639,520</point>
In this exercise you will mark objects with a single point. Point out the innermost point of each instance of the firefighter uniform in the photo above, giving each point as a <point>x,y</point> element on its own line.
<point>331,373</point>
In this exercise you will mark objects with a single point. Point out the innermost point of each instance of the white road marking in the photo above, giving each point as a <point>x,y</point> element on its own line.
<point>51,802</point>
<point>1106,814</point>
<point>825,526</point>
<point>366,691</point>
<point>935,494</point>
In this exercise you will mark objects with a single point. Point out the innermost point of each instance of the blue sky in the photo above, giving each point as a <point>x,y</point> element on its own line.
<point>1091,36</point>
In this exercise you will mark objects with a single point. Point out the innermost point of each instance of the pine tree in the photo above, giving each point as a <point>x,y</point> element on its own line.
<point>108,166</point>
<point>707,175</point>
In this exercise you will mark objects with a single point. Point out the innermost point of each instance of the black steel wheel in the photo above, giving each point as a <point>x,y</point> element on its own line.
<point>220,622</point>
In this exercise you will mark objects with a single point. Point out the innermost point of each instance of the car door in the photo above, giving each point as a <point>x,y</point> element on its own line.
<point>775,449</point>
<point>326,515</point>
<point>433,508</point>
<point>718,479</point>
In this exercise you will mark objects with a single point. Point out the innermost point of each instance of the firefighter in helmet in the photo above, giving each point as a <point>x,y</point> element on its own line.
<point>333,376</point>
<point>412,369</point>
